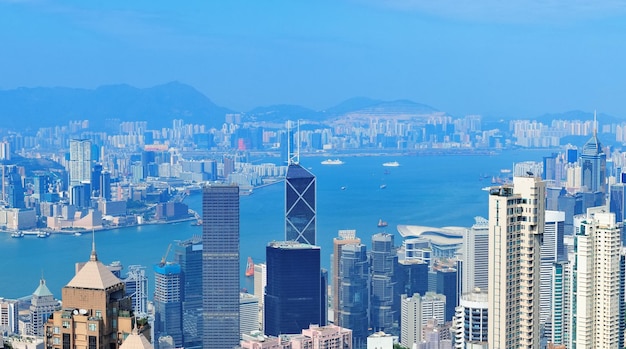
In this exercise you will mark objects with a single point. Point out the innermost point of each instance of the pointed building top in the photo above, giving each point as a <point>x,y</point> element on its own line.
<point>94,274</point>
<point>42,290</point>
<point>94,255</point>
<point>593,146</point>
<point>136,340</point>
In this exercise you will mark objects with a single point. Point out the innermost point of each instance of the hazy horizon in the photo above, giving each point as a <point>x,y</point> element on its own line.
<point>513,59</point>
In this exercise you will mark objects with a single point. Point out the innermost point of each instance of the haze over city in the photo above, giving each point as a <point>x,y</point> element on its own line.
<point>498,59</point>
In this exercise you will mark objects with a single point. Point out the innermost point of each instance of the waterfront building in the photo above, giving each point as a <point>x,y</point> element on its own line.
<point>442,242</point>
<point>516,218</point>
<point>596,293</point>
<point>96,312</point>
<point>475,256</point>
<point>188,255</point>
<point>415,313</point>
<point>9,322</point>
<point>220,266</point>
<point>136,283</point>
<point>79,166</point>
<point>471,321</point>
<point>552,250</point>
<point>248,313</point>
<point>260,281</point>
<point>168,312</point>
<point>345,237</point>
<point>592,161</point>
<point>42,305</point>
<point>383,289</point>
<point>353,293</point>
<point>292,294</point>
<point>300,205</point>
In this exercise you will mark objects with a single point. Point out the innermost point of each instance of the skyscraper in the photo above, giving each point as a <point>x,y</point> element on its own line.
<point>292,293</point>
<point>168,308</point>
<point>353,302</point>
<point>470,321</point>
<point>42,305</point>
<point>345,237</point>
<point>552,250</point>
<point>475,251</point>
<point>593,164</point>
<point>383,284</point>
<point>415,312</point>
<point>80,161</point>
<point>136,283</point>
<point>189,256</point>
<point>300,209</point>
<point>516,219</point>
<point>220,266</point>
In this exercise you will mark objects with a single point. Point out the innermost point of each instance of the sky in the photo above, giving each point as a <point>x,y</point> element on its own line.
<point>491,57</point>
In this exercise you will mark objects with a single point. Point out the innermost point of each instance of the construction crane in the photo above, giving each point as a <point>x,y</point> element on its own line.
<point>165,255</point>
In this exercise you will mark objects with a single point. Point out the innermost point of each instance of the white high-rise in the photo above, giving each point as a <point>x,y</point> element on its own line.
<point>516,223</point>
<point>80,161</point>
<point>596,293</point>
<point>475,251</point>
<point>415,313</point>
<point>471,321</point>
<point>552,250</point>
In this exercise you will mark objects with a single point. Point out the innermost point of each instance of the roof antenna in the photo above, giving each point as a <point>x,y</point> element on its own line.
<point>298,149</point>
<point>595,125</point>
<point>94,256</point>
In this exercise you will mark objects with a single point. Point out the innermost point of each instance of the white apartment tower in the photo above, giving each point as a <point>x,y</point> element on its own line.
<point>415,313</point>
<point>516,223</point>
<point>475,251</point>
<point>596,293</point>
<point>80,161</point>
<point>471,321</point>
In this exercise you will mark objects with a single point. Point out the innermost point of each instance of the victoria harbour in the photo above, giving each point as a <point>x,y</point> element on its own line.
<point>424,190</point>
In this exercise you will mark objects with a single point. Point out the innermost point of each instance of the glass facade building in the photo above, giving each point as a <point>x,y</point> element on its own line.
<point>383,310</point>
<point>168,315</point>
<point>220,266</point>
<point>188,255</point>
<point>353,292</point>
<point>300,211</point>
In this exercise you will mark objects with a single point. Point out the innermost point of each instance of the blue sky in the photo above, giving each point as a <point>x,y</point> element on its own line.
<point>492,57</point>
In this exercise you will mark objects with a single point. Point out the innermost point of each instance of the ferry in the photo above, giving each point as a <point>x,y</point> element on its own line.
<point>383,186</point>
<point>332,162</point>
<point>391,164</point>
<point>43,234</point>
<point>381,223</point>
<point>17,234</point>
<point>77,234</point>
<point>250,267</point>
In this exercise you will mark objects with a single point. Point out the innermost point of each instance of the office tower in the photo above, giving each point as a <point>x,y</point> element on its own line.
<point>617,205</point>
<point>560,329</point>
<point>475,256</point>
<point>5,150</point>
<point>345,237</point>
<point>188,255</point>
<point>383,258</point>
<point>220,266</point>
<point>42,305</point>
<point>471,321</point>
<point>352,291</point>
<point>593,164</point>
<point>9,316</point>
<point>96,312</point>
<point>105,185</point>
<point>446,285</point>
<point>136,283</point>
<point>292,293</point>
<point>80,161</point>
<point>551,251</point>
<point>248,313</point>
<point>549,167</point>
<point>415,313</point>
<point>597,280</point>
<point>300,201</point>
<point>96,172</point>
<point>412,276</point>
<point>168,308</point>
<point>516,218</point>
<point>40,186</point>
<point>13,187</point>
<point>260,281</point>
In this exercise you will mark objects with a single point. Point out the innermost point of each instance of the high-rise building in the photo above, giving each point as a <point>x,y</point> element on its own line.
<point>345,237</point>
<point>552,250</point>
<point>413,276</point>
<point>292,293</point>
<point>42,305</point>
<point>475,256</point>
<point>189,256</point>
<point>415,313</point>
<point>353,293</point>
<point>383,312</point>
<point>596,271</point>
<point>220,266</point>
<point>447,285</point>
<point>9,316</point>
<point>136,283</point>
<point>300,201</point>
<point>561,318</point>
<point>168,308</point>
<point>5,150</point>
<point>96,312</point>
<point>248,313</point>
<point>80,161</point>
<point>592,161</point>
<point>260,281</point>
<point>516,219</point>
<point>470,321</point>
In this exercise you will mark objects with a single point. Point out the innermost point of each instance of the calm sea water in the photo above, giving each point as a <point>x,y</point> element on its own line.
<point>424,190</point>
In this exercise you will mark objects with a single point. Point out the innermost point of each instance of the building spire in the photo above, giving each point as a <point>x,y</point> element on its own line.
<point>94,256</point>
<point>595,124</point>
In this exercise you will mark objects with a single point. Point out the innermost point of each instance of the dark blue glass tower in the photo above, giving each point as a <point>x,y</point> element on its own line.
<point>447,286</point>
<point>220,266</point>
<point>353,291</point>
<point>293,292</point>
<point>300,211</point>
<point>189,256</point>
<point>383,258</point>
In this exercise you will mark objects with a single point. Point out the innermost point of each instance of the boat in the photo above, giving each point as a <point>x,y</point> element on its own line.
<point>383,186</point>
<point>17,234</point>
<point>77,234</point>
<point>332,162</point>
<point>43,234</point>
<point>250,267</point>
<point>381,223</point>
<point>391,164</point>
<point>343,188</point>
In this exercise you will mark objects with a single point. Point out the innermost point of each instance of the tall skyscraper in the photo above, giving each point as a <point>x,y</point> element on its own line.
<point>168,308</point>
<point>516,219</point>
<point>292,293</point>
<point>552,250</point>
<point>383,284</point>
<point>475,255</point>
<point>220,266</point>
<point>597,280</point>
<point>593,164</point>
<point>136,283</point>
<point>415,313</point>
<point>42,305</point>
<point>189,256</point>
<point>345,237</point>
<point>80,161</point>
<point>300,201</point>
<point>353,293</point>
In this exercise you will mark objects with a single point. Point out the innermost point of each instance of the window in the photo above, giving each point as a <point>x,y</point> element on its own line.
<point>56,340</point>
<point>98,313</point>
<point>66,324</point>
<point>56,330</point>
<point>93,327</point>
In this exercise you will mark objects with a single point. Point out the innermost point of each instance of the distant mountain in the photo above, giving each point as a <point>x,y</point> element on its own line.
<point>578,115</point>
<point>43,107</point>
<point>282,113</point>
